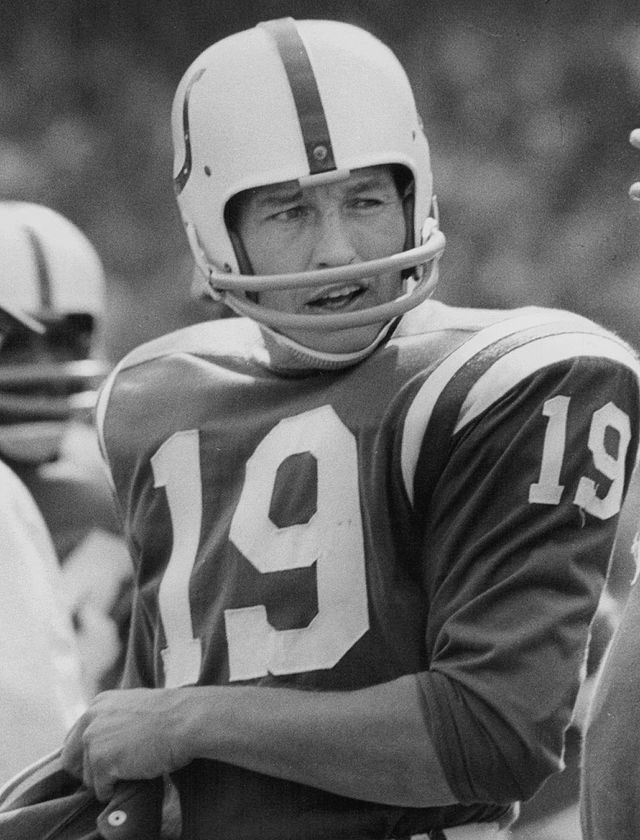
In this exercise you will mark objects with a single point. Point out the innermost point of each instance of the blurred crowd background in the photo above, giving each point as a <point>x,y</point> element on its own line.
<point>527,104</point>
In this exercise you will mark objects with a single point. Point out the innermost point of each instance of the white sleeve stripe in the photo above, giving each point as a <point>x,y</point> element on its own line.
<point>101,408</point>
<point>525,360</point>
<point>421,409</point>
<point>26,779</point>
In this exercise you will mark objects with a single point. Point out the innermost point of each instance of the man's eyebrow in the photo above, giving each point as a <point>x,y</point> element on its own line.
<point>278,196</point>
<point>367,182</point>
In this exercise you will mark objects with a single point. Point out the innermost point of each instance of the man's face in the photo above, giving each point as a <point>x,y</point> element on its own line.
<point>285,228</point>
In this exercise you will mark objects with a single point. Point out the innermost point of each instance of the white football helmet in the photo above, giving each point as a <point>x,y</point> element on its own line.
<point>309,101</point>
<point>52,279</point>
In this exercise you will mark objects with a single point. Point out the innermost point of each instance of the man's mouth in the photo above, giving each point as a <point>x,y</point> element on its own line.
<point>338,297</point>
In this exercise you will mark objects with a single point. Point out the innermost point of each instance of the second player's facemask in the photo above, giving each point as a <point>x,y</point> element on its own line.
<point>51,275</point>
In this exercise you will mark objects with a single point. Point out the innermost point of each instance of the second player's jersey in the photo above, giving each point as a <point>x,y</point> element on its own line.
<point>41,688</point>
<point>445,507</point>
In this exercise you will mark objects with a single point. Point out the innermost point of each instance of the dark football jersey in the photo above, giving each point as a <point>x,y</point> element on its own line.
<point>446,507</point>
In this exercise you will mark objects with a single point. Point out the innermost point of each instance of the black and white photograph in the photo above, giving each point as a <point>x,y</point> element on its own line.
<point>319,420</point>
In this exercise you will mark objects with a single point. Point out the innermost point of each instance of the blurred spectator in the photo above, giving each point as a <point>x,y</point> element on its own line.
<point>525,102</point>
<point>50,270</point>
<point>41,691</point>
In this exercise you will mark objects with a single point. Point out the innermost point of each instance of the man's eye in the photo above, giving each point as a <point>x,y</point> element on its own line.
<point>290,214</point>
<point>366,203</point>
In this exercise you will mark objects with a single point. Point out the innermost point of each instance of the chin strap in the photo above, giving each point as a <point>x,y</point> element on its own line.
<point>284,355</point>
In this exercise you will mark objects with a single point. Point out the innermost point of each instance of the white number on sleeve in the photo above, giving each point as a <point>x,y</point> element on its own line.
<point>609,416</point>
<point>547,490</point>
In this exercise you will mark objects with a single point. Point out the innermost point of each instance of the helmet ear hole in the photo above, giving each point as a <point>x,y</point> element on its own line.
<point>232,219</point>
<point>405,185</point>
<point>403,178</point>
<point>244,263</point>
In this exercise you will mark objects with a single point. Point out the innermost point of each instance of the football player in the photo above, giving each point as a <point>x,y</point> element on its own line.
<point>610,795</point>
<point>41,690</point>
<point>370,531</point>
<point>50,270</point>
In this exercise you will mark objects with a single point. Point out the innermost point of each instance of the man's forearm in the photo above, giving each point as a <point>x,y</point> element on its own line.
<point>369,744</point>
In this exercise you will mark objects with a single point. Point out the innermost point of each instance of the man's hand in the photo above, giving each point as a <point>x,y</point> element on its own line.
<point>634,139</point>
<point>128,734</point>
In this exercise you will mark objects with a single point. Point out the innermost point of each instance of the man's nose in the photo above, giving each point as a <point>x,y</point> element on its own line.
<point>333,244</point>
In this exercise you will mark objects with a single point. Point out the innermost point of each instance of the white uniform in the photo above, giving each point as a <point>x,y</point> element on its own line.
<point>41,691</point>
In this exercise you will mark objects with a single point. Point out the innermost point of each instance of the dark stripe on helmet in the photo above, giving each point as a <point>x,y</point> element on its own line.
<point>183,175</point>
<point>42,268</point>
<point>306,96</point>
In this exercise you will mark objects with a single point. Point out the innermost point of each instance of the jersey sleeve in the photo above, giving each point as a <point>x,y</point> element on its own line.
<point>610,795</point>
<point>518,528</point>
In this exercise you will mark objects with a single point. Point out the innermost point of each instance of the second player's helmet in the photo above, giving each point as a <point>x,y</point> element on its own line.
<point>293,100</point>
<point>49,270</point>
